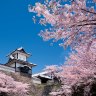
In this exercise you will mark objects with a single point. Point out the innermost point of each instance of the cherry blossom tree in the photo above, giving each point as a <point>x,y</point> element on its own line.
<point>79,66</point>
<point>9,86</point>
<point>52,71</point>
<point>51,68</point>
<point>72,21</point>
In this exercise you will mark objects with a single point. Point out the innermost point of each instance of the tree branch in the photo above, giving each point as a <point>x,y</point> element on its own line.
<point>83,23</point>
<point>88,11</point>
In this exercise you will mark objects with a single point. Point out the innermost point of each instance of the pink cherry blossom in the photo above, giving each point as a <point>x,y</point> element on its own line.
<point>9,85</point>
<point>72,21</point>
<point>80,64</point>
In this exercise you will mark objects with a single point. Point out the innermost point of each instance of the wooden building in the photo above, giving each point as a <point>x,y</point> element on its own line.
<point>18,60</point>
<point>43,76</point>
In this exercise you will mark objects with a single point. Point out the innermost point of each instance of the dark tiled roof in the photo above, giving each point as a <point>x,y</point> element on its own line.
<point>20,50</point>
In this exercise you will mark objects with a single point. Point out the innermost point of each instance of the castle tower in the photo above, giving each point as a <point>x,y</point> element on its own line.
<point>18,61</point>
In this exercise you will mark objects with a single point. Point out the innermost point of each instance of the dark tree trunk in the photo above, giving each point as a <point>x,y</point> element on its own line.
<point>3,94</point>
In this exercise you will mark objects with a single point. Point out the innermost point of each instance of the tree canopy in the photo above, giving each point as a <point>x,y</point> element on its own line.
<point>72,21</point>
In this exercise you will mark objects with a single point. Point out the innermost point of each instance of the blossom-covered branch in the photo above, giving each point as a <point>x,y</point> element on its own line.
<point>79,66</point>
<point>65,18</point>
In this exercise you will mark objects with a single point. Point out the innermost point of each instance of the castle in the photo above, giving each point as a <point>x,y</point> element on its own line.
<point>17,62</point>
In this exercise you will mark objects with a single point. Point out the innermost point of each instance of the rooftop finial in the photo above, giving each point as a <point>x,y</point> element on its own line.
<point>20,48</point>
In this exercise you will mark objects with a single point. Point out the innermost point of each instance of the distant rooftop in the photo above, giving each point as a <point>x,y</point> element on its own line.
<point>42,74</point>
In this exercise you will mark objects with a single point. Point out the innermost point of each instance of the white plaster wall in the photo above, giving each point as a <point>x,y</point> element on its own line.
<point>5,68</point>
<point>21,57</point>
<point>15,56</point>
<point>19,65</point>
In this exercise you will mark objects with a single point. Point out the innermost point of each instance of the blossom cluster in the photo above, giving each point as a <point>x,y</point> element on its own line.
<point>72,21</point>
<point>10,86</point>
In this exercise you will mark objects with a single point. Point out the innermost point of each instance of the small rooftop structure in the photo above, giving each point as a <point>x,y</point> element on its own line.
<point>43,76</point>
